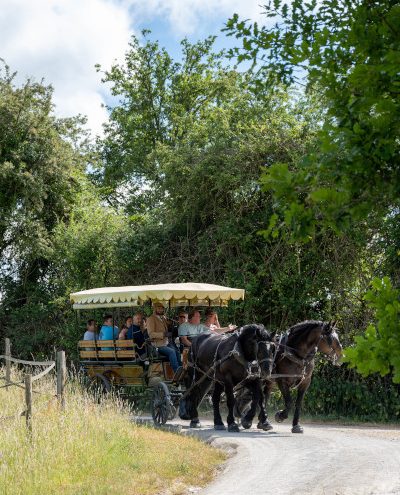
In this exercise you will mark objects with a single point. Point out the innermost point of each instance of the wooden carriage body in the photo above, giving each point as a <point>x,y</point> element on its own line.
<point>119,362</point>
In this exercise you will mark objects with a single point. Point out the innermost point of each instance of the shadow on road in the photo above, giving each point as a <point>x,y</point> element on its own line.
<point>251,433</point>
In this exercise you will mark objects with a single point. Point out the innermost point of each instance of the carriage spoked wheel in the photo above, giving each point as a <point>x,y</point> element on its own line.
<point>162,408</point>
<point>99,385</point>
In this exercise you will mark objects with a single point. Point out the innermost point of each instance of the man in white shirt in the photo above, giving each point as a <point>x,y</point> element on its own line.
<point>193,327</point>
<point>90,333</point>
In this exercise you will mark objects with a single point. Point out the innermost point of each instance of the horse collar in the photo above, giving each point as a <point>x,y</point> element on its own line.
<point>237,353</point>
<point>252,367</point>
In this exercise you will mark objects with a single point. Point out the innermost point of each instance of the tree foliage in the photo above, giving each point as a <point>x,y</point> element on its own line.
<point>172,193</point>
<point>349,52</point>
<point>192,190</point>
<point>378,350</point>
<point>43,188</point>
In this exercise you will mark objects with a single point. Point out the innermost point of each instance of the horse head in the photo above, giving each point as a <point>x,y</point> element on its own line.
<point>329,343</point>
<point>265,357</point>
<point>256,344</point>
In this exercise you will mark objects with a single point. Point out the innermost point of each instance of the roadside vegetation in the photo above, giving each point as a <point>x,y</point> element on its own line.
<point>93,448</point>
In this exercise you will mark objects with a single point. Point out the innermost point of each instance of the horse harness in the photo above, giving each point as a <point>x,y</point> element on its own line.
<point>291,354</point>
<point>252,367</point>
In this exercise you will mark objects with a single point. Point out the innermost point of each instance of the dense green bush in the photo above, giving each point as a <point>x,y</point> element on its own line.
<point>341,393</point>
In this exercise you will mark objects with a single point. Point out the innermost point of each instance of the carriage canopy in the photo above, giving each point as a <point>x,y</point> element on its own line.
<point>186,294</point>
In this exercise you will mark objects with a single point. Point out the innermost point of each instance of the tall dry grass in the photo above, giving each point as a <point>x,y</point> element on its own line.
<point>92,448</point>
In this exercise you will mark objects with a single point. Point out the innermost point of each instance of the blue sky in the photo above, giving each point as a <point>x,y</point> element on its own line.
<point>60,41</point>
<point>163,31</point>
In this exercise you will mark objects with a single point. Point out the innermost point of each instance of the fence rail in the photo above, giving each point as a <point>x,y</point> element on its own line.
<point>23,361</point>
<point>29,379</point>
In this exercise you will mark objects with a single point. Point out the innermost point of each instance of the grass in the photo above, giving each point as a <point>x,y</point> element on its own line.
<point>93,448</point>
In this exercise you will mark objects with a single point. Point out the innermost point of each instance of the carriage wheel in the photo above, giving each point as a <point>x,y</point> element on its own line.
<point>99,385</point>
<point>161,404</point>
<point>172,412</point>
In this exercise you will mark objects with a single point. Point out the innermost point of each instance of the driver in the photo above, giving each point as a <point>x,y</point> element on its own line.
<point>157,328</point>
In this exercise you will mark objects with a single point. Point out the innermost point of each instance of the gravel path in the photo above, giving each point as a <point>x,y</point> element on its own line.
<point>328,460</point>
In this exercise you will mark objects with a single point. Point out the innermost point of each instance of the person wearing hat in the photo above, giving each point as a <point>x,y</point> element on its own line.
<point>157,328</point>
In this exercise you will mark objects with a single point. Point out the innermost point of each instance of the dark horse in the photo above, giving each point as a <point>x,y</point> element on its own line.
<point>225,361</point>
<point>293,366</point>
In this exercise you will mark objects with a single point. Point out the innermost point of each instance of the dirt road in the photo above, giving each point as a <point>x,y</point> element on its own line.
<point>328,460</point>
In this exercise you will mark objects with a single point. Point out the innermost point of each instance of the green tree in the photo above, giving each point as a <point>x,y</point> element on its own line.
<point>349,52</point>
<point>42,167</point>
<point>192,191</point>
<point>378,350</point>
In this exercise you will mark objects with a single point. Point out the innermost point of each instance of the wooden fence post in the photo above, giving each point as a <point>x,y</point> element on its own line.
<point>28,400</point>
<point>8,362</point>
<point>61,376</point>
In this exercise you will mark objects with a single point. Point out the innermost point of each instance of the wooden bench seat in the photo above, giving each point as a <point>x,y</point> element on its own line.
<point>107,349</point>
<point>112,350</point>
<point>105,343</point>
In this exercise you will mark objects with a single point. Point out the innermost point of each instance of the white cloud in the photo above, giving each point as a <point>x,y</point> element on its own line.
<point>62,40</point>
<point>187,16</point>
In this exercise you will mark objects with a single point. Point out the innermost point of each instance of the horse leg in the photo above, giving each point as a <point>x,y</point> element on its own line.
<point>216,397</point>
<point>285,391</point>
<point>263,423</point>
<point>256,393</point>
<point>201,392</point>
<point>230,402</point>
<point>296,428</point>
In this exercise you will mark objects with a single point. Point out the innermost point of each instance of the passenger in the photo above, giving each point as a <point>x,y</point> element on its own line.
<point>157,329</point>
<point>173,336</point>
<point>182,317</point>
<point>90,333</point>
<point>211,318</point>
<point>107,332</point>
<point>136,333</point>
<point>189,330</point>
<point>213,323</point>
<point>122,333</point>
<point>124,329</point>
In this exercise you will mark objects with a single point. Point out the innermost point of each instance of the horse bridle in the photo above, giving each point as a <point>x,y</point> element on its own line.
<point>330,356</point>
<point>291,354</point>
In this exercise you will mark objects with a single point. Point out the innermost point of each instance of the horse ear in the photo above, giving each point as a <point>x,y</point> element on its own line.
<point>261,331</point>
<point>272,334</point>
<point>327,328</point>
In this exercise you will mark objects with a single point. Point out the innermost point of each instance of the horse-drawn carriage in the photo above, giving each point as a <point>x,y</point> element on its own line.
<point>243,365</point>
<point>117,364</point>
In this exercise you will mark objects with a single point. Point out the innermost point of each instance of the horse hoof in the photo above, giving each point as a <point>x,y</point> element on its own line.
<point>266,426</point>
<point>219,427</point>
<point>246,424</point>
<point>278,417</point>
<point>297,429</point>
<point>233,428</point>
<point>195,424</point>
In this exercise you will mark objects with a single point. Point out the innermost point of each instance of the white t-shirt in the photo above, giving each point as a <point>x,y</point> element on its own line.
<point>190,330</point>
<point>89,335</point>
